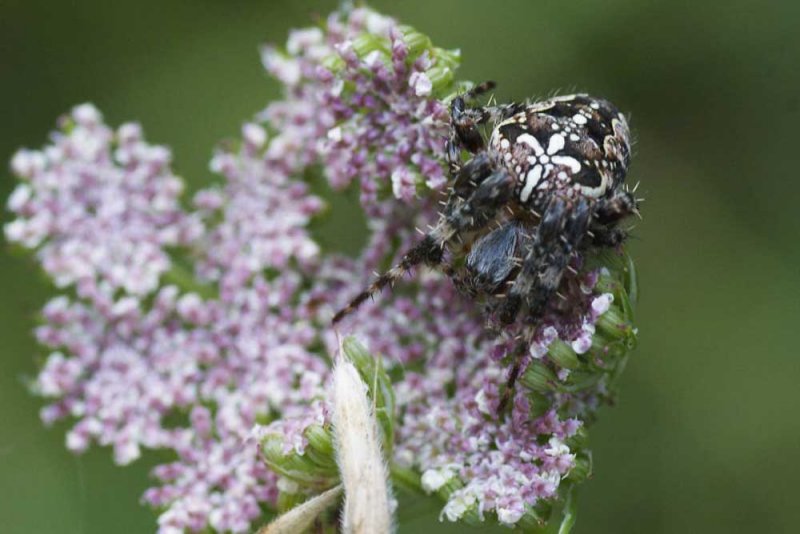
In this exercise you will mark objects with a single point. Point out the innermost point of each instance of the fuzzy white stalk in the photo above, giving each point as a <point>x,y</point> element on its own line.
<point>358,451</point>
<point>300,518</point>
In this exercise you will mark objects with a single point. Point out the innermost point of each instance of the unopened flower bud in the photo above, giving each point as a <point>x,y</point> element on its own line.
<point>613,324</point>
<point>441,78</point>
<point>561,353</point>
<point>581,469</point>
<point>415,41</point>
<point>367,43</point>
<point>539,377</point>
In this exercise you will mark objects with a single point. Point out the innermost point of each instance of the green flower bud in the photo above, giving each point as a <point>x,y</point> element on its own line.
<point>582,468</point>
<point>333,63</point>
<point>447,489</point>
<point>288,500</point>
<point>539,404</point>
<point>299,468</point>
<point>416,42</point>
<point>538,377</point>
<point>579,440</point>
<point>606,283</point>
<point>441,77</point>
<point>320,448</point>
<point>534,519</point>
<point>471,515</point>
<point>448,58</point>
<point>583,379</point>
<point>561,353</point>
<point>613,324</point>
<point>320,439</point>
<point>368,42</point>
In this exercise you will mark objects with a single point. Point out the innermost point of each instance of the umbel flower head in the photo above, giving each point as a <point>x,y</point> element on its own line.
<point>239,349</point>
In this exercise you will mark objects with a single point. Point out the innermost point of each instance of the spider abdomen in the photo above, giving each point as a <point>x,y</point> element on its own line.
<point>576,145</point>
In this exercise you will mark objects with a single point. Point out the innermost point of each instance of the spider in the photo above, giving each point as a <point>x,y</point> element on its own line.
<point>548,183</point>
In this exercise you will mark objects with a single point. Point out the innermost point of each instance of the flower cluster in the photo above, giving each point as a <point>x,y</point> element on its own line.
<point>362,100</point>
<point>229,366</point>
<point>90,183</point>
<point>126,361</point>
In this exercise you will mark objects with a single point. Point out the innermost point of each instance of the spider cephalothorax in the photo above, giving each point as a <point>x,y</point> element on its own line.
<point>546,185</point>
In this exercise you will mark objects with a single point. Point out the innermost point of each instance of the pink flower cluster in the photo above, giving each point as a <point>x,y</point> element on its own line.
<point>92,182</point>
<point>126,358</point>
<point>358,103</point>
<point>141,357</point>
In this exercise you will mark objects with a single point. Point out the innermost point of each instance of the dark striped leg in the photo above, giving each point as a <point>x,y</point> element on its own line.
<point>557,236</point>
<point>511,381</point>
<point>426,251</point>
<point>547,262</point>
<point>617,207</point>
<point>473,213</point>
<point>607,236</point>
<point>609,212</point>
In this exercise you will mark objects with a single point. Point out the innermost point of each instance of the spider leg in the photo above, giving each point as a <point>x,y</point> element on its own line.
<point>493,258</point>
<point>559,233</point>
<point>452,154</point>
<point>608,213</point>
<point>502,112</point>
<point>469,177</point>
<point>616,207</point>
<point>556,262</point>
<point>549,228</point>
<point>465,120</point>
<point>475,212</point>
<point>491,113</point>
<point>513,375</point>
<point>542,272</point>
<point>548,280</point>
<point>460,280</point>
<point>479,89</point>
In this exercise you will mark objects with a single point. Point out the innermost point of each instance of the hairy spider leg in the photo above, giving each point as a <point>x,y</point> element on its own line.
<point>549,269</point>
<point>544,265</point>
<point>609,212</point>
<point>476,212</point>
<point>464,120</point>
<point>548,230</point>
<point>556,262</point>
<point>616,207</point>
<point>464,131</point>
<point>517,355</point>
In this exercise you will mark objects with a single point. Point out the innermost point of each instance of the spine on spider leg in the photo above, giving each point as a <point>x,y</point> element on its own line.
<point>427,251</point>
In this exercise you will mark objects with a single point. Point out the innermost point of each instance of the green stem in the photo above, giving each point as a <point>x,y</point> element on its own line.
<point>570,513</point>
<point>406,478</point>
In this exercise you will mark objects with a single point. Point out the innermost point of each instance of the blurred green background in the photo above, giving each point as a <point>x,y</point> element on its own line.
<point>706,436</point>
